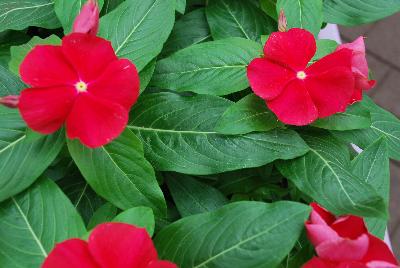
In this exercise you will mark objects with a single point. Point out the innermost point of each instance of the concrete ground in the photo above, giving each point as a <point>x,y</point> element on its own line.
<point>383,50</point>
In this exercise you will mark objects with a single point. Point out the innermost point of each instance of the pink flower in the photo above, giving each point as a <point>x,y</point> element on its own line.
<point>111,245</point>
<point>88,19</point>
<point>359,67</point>
<point>345,242</point>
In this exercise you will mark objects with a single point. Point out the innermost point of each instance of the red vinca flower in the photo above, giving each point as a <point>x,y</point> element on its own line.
<point>359,67</point>
<point>299,94</point>
<point>110,245</point>
<point>81,83</point>
<point>345,242</point>
<point>88,19</point>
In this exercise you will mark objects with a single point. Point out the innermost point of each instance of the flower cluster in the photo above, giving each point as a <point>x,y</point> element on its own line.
<point>345,242</point>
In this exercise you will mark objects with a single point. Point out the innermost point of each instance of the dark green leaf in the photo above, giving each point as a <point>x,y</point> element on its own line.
<point>247,115</point>
<point>8,39</point>
<point>177,133</point>
<point>32,222</point>
<point>139,216</point>
<point>215,68</point>
<point>138,29</point>
<point>103,214</point>
<point>110,5</point>
<point>238,18</point>
<point>146,74</point>
<point>242,234</point>
<point>193,197</point>
<point>324,174</point>
<point>269,7</point>
<point>119,172</point>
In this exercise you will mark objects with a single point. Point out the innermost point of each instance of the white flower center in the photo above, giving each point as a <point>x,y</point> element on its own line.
<point>301,75</point>
<point>81,86</point>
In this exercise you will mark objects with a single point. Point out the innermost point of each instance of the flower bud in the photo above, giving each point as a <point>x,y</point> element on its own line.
<point>10,101</point>
<point>88,19</point>
<point>282,21</point>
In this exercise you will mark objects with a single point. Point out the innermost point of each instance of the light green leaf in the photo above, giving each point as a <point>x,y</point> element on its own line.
<point>242,234</point>
<point>180,6</point>
<point>355,12</point>
<point>103,214</point>
<point>139,216</point>
<point>238,18</point>
<point>193,197</point>
<point>119,173</point>
<point>32,222</point>
<point>138,29</point>
<point>305,14</point>
<point>215,68</point>
<point>190,29</point>
<point>110,5</point>
<point>146,74</point>
<point>18,15</point>
<point>247,115</point>
<point>18,53</point>
<point>372,165</point>
<point>324,174</point>
<point>178,135</point>
<point>324,47</point>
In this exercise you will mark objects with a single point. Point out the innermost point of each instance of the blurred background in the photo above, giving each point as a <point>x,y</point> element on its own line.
<point>382,39</point>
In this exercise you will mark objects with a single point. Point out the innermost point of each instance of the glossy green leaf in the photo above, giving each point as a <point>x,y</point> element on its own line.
<point>306,14</point>
<point>180,6</point>
<point>220,72</point>
<point>355,12</point>
<point>242,234</point>
<point>372,165</point>
<point>269,7</point>
<point>383,124</point>
<point>18,53</point>
<point>192,196</point>
<point>190,29</point>
<point>324,174</point>
<point>356,117</point>
<point>178,135</point>
<point>139,216</point>
<point>138,29</point>
<point>119,172</point>
<point>247,115</point>
<point>67,10</point>
<point>32,222</point>
<point>18,15</point>
<point>238,18</point>
<point>22,160</point>
<point>105,213</point>
<point>146,74</point>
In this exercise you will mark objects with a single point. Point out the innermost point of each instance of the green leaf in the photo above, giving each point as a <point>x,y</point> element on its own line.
<point>18,53</point>
<point>180,6</point>
<point>190,29</point>
<point>109,5</point>
<point>238,18</point>
<point>193,197</point>
<point>32,222</point>
<point>146,74</point>
<point>177,133</point>
<point>355,117</point>
<point>306,14</point>
<point>8,39</point>
<point>384,124</point>
<point>105,213</point>
<point>215,68</point>
<point>269,7</point>
<point>324,47</point>
<point>355,12</point>
<point>138,29</point>
<point>324,174</point>
<point>242,234</point>
<point>67,10</point>
<point>119,172</point>
<point>18,15</point>
<point>22,160</point>
<point>247,115</point>
<point>139,216</point>
<point>372,165</point>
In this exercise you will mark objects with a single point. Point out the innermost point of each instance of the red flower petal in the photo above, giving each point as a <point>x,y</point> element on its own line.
<point>161,264</point>
<point>88,19</point>
<point>322,213</point>
<point>69,254</point>
<point>89,54</point>
<point>379,251</point>
<point>95,121</point>
<point>46,66</point>
<point>320,233</point>
<point>318,263</point>
<point>350,227</point>
<point>293,48</point>
<point>341,58</point>
<point>119,83</point>
<point>268,79</point>
<point>344,249</point>
<point>46,109</point>
<point>294,105</point>
<point>116,245</point>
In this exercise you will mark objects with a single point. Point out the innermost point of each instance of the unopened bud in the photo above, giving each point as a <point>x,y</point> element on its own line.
<point>10,101</point>
<point>88,19</point>
<point>282,21</point>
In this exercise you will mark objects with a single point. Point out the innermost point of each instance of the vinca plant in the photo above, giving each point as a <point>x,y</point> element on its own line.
<point>192,134</point>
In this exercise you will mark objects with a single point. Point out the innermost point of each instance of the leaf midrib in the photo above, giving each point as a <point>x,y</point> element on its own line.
<point>172,130</point>
<point>22,8</point>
